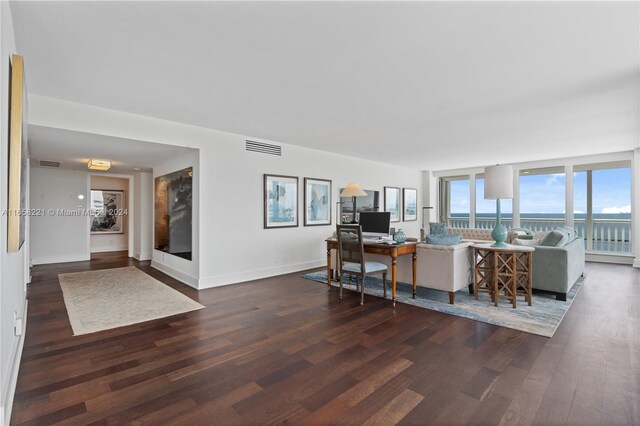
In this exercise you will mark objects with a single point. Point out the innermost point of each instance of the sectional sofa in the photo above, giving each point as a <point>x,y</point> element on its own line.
<point>450,267</point>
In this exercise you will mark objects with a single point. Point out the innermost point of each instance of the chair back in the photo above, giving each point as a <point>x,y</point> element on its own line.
<point>350,245</point>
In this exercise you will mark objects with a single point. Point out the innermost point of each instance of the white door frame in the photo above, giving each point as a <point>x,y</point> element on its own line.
<point>130,210</point>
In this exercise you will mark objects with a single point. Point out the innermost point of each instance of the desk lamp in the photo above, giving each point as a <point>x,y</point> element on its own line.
<point>353,190</point>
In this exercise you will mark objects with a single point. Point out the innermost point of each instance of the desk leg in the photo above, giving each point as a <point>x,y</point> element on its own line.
<point>329,269</point>
<point>415,263</point>
<point>393,279</point>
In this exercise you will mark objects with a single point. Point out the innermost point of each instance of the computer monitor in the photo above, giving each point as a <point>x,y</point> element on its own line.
<point>375,224</point>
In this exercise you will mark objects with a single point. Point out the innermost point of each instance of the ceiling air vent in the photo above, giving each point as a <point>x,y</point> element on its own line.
<point>263,148</point>
<point>47,163</point>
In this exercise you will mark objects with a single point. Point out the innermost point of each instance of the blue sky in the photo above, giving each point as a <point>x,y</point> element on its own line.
<point>545,193</point>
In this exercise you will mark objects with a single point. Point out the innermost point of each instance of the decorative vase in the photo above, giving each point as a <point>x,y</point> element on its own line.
<point>399,236</point>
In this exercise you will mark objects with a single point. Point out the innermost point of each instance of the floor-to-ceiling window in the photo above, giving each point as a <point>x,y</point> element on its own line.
<point>602,206</point>
<point>542,198</point>
<point>455,204</point>
<point>486,209</point>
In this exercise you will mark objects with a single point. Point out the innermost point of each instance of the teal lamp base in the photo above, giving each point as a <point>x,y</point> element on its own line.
<point>499,233</point>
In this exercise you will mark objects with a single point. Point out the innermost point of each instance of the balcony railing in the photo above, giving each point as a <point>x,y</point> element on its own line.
<point>607,236</point>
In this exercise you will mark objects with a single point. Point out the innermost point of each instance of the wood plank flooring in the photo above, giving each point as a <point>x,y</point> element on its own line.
<point>284,350</point>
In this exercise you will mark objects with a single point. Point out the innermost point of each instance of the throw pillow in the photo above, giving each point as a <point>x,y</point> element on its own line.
<point>569,233</point>
<point>443,240</point>
<point>436,228</point>
<point>554,239</point>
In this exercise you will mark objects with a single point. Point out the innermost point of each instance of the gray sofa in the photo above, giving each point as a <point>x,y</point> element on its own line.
<point>556,268</point>
<point>558,260</point>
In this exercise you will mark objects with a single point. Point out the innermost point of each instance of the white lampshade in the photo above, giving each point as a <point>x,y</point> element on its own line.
<point>498,182</point>
<point>353,190</point>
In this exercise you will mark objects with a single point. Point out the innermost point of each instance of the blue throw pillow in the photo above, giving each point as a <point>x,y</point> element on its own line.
<point>436,228</point>
<point>443,240</point>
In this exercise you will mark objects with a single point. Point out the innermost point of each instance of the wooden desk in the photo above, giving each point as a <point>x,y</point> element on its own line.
<point>393,250</point>
<point>503,272</point>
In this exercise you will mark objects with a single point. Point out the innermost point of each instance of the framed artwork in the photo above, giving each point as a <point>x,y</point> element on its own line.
<point>392,202</point>
<point>370,203</point>
<point>17,156</point>
<point>173,194</point>
<point>317,202</point>
<point>108,211</point>
<point>280,201</point>
<point>409,204</point>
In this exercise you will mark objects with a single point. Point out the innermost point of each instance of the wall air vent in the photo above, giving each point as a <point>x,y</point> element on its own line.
<point>47,163</point>
<point>263,148</point>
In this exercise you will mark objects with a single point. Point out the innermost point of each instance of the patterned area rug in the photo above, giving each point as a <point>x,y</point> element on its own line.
<point>543,317</point>
<point>111,298</point>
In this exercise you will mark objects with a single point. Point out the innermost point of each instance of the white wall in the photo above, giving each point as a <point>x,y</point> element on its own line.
<point>143,215</point>
<point>13,266</point>
<point>242,249</point>
<point>232,245</point>
<point>184,270</point>
<point>56,237</point>
<point>111,242</point>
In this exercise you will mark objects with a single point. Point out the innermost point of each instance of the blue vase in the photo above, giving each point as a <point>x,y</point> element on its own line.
<point>399,236</point>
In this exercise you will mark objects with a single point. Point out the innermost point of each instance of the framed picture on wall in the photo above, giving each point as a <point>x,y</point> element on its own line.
<point>409,204</point>
<point>17,155</point>
<point>280,201</point>
<point>108,210</point>
<point>370,203</point>
<point>392,202</point>
<point>317,202</point>
<point>174,213</point>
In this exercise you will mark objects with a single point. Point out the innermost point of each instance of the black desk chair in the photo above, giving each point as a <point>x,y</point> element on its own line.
<point>351,259</point>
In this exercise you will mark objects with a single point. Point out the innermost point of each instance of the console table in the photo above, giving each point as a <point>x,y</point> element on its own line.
<point>392,250</point>
<point>503,272</point>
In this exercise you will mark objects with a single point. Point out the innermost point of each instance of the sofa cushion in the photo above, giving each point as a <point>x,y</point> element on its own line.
<point>524,242</point>
<point>443,240</point>
<point>472,234</point>
<point>463,245</point>
<point>436,228</point>
<point>554,238</point>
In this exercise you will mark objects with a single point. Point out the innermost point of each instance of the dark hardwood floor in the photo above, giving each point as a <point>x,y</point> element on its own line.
<point>283,350</point>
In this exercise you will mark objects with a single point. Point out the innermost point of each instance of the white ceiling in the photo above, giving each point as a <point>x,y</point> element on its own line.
<point>428,85</point>
<point>74,149</point>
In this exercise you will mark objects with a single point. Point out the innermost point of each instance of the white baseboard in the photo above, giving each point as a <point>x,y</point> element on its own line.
<point>609,258</point>
<point>120,247</point>
<point>142,255</point>
<point>13,378</point>
<point>174,273</point>
<point>227,279</point>
<point>60,259</point>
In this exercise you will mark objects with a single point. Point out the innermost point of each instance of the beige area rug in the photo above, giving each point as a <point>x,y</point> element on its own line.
<point>111,298</point>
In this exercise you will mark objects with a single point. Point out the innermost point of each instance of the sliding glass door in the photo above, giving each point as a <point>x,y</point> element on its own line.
<point>542,198</point>
<point>455,201</point>
<point>602,207</point>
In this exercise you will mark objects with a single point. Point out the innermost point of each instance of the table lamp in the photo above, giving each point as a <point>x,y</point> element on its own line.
<point>498,183</point>
<point>353,190</point>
